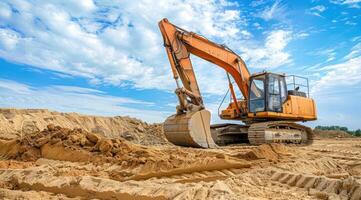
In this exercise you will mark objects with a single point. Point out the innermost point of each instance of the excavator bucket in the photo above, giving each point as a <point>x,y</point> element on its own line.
<point>190,129</point>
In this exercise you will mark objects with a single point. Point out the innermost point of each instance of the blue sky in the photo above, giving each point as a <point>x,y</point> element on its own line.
<point>107,57</point>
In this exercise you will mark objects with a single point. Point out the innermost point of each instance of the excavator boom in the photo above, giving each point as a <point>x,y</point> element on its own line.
<point>191,125</point>
<point>180,44</point>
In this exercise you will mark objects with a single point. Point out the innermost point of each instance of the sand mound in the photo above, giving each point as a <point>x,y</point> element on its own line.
<point>77,145</point>
<point>331,134</point>
<point>20,122</point>
<point>68,144</point>
<point>270,152</point>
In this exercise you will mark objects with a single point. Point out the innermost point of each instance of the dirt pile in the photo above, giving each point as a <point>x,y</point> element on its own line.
<point>331,134</point>
<point>55,138</point>
<point>78,145</point>
<point>20,122</point>
<point>271,152</point>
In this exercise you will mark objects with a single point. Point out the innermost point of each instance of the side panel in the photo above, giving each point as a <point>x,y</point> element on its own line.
<point>294,108</point>
<point>300,106</point>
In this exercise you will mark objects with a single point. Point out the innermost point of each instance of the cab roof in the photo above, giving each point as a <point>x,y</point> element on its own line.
<point>266,72</point>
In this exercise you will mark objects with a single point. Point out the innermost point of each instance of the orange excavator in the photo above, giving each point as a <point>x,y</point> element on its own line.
<point>269,109</point>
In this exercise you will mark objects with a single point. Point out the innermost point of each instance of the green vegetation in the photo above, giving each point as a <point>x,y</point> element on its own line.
<point>340,128</point>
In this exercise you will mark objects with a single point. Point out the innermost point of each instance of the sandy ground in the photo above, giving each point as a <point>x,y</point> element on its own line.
<point>61,163</point>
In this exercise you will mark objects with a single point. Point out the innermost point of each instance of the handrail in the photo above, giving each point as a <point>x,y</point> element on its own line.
<point>295,84</point>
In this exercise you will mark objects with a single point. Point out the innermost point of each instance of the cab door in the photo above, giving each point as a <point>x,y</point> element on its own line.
<point>257,97</point>
<point>276,92</point>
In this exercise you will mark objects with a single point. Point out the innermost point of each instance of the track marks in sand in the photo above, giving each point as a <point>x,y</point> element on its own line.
<point>321,186</point>
<point>338,151</point>
<point>31,195</point>
<point>256,184</point>
<point>207,176</point>
<point>321,166</point>
<point>217,166</point>
<point>82,186</point>
<point>93,187</point>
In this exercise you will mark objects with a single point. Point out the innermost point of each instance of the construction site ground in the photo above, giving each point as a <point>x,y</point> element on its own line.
<point>51,155</point>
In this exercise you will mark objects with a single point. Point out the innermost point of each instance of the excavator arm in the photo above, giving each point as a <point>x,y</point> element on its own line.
<point>179,44</point>
<point>190,126</point>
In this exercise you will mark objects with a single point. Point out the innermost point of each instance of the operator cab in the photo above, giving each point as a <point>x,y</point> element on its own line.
<point>268,91</point>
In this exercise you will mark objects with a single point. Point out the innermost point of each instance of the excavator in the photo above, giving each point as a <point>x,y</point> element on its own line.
<point>269,109</point>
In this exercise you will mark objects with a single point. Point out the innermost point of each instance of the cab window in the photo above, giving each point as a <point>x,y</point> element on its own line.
<point>257,94</point>
<point>274,95</point>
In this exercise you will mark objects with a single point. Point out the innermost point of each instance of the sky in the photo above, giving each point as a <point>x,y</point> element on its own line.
<point>107,57</point>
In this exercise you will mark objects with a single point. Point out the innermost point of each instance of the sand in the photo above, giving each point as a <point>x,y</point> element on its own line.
<point>63,162</point>
<point>20,122</point>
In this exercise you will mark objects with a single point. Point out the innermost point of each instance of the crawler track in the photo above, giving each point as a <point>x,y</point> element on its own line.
<point>279,131</point>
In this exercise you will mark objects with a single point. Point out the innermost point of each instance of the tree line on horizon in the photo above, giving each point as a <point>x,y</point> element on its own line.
<point>356,133</point>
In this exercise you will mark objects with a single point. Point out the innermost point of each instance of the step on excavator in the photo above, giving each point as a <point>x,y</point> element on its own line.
<point>269,109</point>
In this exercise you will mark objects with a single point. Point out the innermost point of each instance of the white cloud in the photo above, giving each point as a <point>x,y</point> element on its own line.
<point>338,76</point>
<point>75,89</point>
<point>317,10</point>
<point>257,3</point>
<point>277,40</point>
<point>350,23</point>
<point>276,11</point>
<point>272,54</point>
<point>337,91</point>
<point>211,79</point>
<point>351,3</point>
<point>116,42</point>
<point>355,51</point>
<point>257,26</point>
<point>357,38</point>
<point>78,7</point>
<point>5,10</point>
<point>14,86</point>
<point>8,39</point>
<point>330,54</point>
<point>74,99</point>
<point>301,35</point>
<point>246,34</point>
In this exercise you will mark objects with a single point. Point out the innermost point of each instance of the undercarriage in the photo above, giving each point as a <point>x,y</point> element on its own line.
<point>261,132</point>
